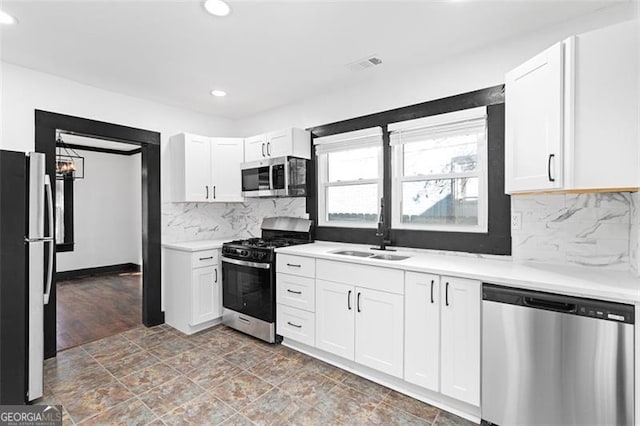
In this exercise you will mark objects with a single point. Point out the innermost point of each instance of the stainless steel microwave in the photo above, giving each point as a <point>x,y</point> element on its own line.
<point>275,177</point>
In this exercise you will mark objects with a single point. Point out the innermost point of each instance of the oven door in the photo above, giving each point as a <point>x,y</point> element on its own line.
<point>249,288</point>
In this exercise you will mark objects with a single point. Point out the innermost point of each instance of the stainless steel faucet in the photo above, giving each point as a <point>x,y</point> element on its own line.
<point>382,230</point>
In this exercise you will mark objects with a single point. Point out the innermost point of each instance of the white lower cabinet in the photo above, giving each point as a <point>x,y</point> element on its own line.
<point>378,332</point>
<point>296,324</point>
<point>419,327</point>
<point>422,330</point>
<point>205,295</point>
<point>335,328</point>
<point>193,289</point>
<point>442,326</point>
<point>360,324</point>
<point>460,339</point>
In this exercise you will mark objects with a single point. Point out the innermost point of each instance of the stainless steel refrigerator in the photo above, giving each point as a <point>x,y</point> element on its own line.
<point>26,272</point>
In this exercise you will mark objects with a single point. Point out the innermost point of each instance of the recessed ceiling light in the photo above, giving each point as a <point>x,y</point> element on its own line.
<point>217,7</point>
<point>218,93</point>
<point>6,19</point>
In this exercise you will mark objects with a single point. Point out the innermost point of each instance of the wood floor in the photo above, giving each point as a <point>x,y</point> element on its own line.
<point>91,308</point>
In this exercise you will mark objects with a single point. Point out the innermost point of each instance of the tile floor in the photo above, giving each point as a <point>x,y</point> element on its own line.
<point>219,376</point>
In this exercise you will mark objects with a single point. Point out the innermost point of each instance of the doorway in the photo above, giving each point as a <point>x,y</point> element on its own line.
<point>47,125</point>
<point>98,239</point>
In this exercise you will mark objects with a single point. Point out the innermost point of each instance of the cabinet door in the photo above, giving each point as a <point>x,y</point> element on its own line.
<point>205,294</point>
<point>460,355</point>
<point>197,158</point>
<point>534,125</point>
<point>226,156</point>
<point>379,330</point>
<point>255,148</point>
<point>334,318</point>
<point>422,330</point>
<point>279,143</point>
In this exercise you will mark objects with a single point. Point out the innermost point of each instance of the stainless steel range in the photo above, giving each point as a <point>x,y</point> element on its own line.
<point>249,276</point>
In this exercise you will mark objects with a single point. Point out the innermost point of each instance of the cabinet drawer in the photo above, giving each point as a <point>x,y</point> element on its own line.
<point>373,277</point>
<point>296,324</point>
<point>297,292</point>
<point>296,265</point>
<point>204,258</point>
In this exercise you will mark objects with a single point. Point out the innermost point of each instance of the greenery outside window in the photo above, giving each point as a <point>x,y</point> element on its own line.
<point>439,169</point>
<point>349,178</point>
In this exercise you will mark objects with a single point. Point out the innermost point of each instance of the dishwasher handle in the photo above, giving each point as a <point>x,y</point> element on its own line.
<point>552,305</point>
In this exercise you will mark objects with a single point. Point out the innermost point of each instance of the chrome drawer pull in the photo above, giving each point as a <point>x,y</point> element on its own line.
<point>294,292</point>
<point>294,325</point>
<point>206,258</point>
<point>293,266</point>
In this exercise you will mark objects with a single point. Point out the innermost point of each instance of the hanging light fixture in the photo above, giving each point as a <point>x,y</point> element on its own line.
<point>68,163</point>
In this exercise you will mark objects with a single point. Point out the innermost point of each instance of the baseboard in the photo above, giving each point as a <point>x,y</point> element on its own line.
<point>99,270</point>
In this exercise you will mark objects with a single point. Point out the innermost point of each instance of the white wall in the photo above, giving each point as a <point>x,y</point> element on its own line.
<point>24,90</point>
<point>107,213</point>
<point>464,73</point>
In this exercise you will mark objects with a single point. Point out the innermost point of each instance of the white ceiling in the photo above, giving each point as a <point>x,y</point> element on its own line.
<point>265,54</point>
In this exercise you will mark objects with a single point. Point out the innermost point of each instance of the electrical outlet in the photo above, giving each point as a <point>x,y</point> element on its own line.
<point>516,221</point>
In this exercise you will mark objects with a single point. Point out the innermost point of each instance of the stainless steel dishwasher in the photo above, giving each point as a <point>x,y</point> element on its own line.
<point>549,359</point>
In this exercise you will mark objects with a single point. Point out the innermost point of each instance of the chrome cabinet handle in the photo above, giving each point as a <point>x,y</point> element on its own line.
<point>216,279</point>
<point>349,300</point>
<point>214,192</point>
<point>294,325</point>
<point>358,302</point>
<point>206,258</point>
<point>263,150</point>
<point>432,291</point>
<point>269,148</point>
<point>207,187</point>
<point>293,266</point>
<point>294,292</point>
<point>551,179</point>
<point>446,295</point>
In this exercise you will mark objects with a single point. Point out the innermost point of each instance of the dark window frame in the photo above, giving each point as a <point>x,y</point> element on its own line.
<point>68,243</point>
<point>496,241</point>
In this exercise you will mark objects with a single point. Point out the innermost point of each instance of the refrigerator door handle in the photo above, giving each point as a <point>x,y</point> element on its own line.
<point>50,239</point>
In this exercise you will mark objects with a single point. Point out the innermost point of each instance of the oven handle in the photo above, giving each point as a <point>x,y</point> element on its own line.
<point>246,263</point>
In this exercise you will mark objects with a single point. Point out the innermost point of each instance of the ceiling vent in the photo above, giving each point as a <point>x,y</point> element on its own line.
<point>364,63</point>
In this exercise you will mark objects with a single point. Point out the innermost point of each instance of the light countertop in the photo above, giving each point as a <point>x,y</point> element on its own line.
<point>198,245</point>
<point>618,286</point>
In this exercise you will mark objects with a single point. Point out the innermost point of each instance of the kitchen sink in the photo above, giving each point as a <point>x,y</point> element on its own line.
<point>353,253</point>
<point>389,257</point>
<point>370,255</point>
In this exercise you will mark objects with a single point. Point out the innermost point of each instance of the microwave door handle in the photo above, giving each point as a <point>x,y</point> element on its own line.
<point>271,177</point>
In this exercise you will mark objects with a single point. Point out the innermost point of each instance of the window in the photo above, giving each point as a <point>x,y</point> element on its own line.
<point>439,172</point>
<point>349,178</point>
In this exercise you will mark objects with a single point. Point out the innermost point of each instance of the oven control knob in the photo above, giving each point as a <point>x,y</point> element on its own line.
<point>244,253</point>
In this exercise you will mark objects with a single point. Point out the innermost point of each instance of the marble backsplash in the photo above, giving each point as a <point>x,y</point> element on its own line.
<point>203,221</point>
<point>576,229</point>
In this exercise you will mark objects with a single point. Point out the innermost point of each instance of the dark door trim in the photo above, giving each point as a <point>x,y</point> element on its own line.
<point>46,124</point>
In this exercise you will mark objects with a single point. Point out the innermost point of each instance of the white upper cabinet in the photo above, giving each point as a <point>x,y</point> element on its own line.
<point>206,169</point>
<point>571,115</point>
<point>534,101</point>
<point>292,141</point>
<point>226,156</point>
<point>255,148</point>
